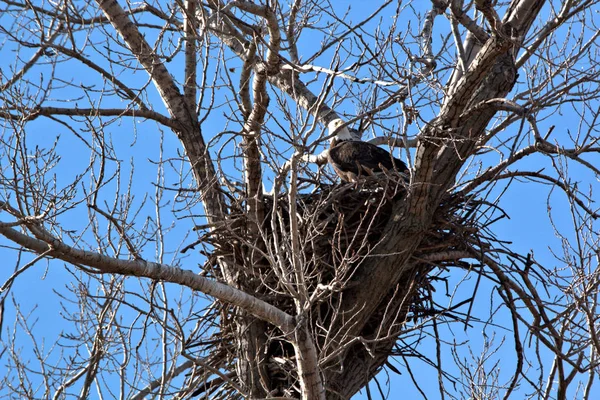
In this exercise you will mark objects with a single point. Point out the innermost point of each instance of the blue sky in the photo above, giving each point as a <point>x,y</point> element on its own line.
<point>138,148</point>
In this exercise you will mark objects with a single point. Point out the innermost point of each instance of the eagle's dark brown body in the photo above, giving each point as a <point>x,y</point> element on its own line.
<point>352,158</point>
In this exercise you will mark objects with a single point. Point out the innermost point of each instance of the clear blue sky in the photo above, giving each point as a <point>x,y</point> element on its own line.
<point>137,147</point>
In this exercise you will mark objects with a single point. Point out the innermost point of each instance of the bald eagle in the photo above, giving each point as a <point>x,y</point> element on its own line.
<point>351,158</point>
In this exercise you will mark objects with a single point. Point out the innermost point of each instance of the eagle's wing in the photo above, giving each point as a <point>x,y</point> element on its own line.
<point>356,157</point>
<point>375,157</point>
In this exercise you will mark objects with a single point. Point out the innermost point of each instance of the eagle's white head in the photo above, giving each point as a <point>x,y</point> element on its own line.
<point>342,132</point>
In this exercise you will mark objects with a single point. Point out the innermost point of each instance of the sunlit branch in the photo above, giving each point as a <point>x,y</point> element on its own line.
<point>85,112</point>
<point>456,6</point>
<point>141,268</point>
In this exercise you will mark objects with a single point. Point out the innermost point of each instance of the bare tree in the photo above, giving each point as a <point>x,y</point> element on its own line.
<point>232,263</point>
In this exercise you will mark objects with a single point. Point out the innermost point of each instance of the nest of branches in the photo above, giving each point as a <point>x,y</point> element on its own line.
<point>315,243</point>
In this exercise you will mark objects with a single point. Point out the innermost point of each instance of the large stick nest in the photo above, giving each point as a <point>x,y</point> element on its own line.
<point>334,229</point>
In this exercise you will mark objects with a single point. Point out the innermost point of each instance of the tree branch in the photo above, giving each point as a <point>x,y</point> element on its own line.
<point>45,243</point>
